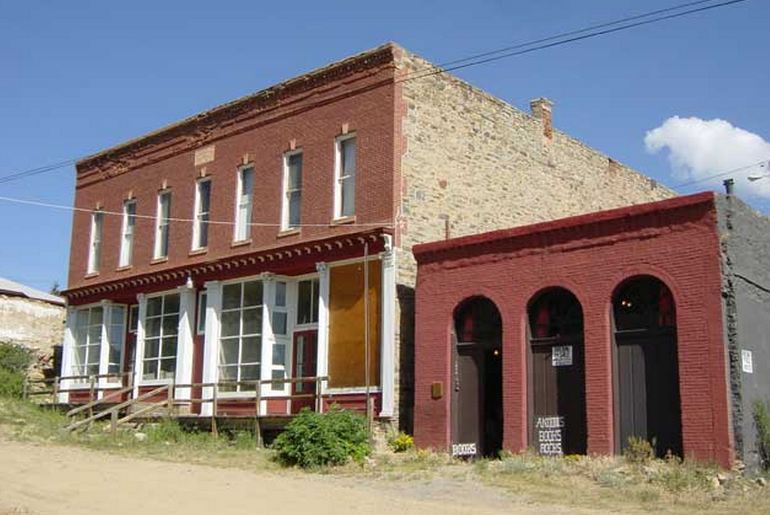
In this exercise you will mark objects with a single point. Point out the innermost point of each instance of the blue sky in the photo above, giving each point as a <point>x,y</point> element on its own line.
<point>80,76</point>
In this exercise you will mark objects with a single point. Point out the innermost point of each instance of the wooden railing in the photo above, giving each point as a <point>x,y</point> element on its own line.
<point>104,399</point>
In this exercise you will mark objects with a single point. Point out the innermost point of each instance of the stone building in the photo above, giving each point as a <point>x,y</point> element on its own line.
<point>31,318</point>
<point>572,335</point>
<point>287,192</point>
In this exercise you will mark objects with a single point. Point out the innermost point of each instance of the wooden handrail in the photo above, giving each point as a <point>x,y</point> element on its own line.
<point>90,405</point>
<point>117,408</point>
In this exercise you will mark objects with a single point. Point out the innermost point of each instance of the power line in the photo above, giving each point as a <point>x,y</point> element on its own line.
<point>573,39</point>
<point>573,32</point>
<point>51,205</point>
<point>721,174</point>
<point>488,57</point>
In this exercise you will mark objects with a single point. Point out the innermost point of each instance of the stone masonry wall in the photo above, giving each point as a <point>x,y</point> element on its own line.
<point>484,165</point>
<point>745,243</point>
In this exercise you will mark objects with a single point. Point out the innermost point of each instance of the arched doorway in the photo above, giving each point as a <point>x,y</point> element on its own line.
<point>477,394</point>
<point>557,402</point>
<point>646,365</point>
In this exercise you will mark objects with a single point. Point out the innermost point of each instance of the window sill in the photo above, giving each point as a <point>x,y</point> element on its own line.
<point>159,260</point>
<point>91,275</point>
<point>289,232</point>
<point>198,252</point>
<point>124,268</point>
<point>241,243</point>
<point>154,382</point>
<point>343,220</point>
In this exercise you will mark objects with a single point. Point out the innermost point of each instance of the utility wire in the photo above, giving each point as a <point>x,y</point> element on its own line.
<point>572,40</point>
<point>573,32</point>
<point>488,57</point>
<point>721,174</point>
<point>39,203</point>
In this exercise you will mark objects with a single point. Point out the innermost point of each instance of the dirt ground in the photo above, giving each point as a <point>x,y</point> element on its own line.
<point>48,479</point>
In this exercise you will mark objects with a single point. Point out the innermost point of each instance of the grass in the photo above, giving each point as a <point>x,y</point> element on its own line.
<point>166,440</point>
<point>601,483</point>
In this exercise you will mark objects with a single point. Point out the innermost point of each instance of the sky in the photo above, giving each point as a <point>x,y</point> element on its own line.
<point>679,100</point>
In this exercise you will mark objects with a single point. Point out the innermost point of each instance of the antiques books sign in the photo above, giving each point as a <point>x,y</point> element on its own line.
<point>550,434</point>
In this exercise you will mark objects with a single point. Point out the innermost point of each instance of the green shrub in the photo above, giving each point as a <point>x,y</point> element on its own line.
<point>639,450</point>
<point>11,383</point>
<point>401,442</point>
<point>762,421</point>
<point>14,357</point>
<point>317,439</point>
<point>14,361</point>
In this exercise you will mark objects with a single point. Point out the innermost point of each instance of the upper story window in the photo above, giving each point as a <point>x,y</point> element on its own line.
<point>202,214</point>
<point>95,244</point>
<point>243,204</point>
<point>161,331</point>
<point>162,225</point>
<point>292,190</point>
<point>127,232</point>
<point>345,177</point>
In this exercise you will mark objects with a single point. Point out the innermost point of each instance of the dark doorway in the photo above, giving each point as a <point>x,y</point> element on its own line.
<point>477,394</point>
<point>557,402</point>
<point>304,365</point>
<point>646,364</point>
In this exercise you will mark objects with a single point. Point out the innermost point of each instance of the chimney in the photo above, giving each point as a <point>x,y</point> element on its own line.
<point>542,110</point>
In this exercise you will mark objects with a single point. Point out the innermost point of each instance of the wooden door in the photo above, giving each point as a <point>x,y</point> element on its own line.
<point>558,421</point>
<point>467,401</point>
<point>304,359</point>
<point>648,393</point>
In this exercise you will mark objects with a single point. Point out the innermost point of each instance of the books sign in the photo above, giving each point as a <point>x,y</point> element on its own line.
<point>561,356</point>
<point>747,361</point>
<point>550,432</point>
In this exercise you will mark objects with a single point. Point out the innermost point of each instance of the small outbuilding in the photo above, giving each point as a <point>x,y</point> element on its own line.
<point>571,336</point>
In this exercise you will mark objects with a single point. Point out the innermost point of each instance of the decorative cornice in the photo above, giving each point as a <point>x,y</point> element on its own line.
<point>263,257</point>
<point>198,130</point>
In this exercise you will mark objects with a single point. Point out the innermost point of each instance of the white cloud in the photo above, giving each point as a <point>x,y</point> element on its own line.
<point>700,148</point>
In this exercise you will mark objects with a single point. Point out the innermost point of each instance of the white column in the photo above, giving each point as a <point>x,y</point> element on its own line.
<point>211,342</point>
<point>184,348</point>
<point>67,353</point>
<point>104,347</point>
<point>322,359</point>
<point>268,337</point>
<point>388,330</point>
<point>139,351</point>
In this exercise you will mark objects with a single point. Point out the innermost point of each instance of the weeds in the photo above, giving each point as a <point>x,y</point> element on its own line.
<point>762,422</point>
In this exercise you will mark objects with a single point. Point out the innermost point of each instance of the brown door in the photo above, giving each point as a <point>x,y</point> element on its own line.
<point>304,358</point>
<point>558,423</point>
<point>648,392</point>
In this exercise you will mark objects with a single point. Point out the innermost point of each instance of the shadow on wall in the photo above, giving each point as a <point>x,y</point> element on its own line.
<point>406,359</point>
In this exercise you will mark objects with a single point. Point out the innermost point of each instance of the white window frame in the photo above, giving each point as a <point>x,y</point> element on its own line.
<point>161,223</point>
<point>198,215</point>
<point>141,358</point>
<point>200,319</point>
<point>242,390</point>
<point>95,241</point>
<point>286,192</point>
<point>127,234</point>
<point>242,228</point>
<point>123,324</point>
<point>280,339</point>
<point>75,345</point>
<point>339,178</point>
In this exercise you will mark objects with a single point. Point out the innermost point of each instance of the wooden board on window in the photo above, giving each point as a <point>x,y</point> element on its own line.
<point>346,325</point>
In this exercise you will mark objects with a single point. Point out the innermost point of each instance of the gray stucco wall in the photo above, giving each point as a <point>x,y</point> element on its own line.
<point>745,237</point>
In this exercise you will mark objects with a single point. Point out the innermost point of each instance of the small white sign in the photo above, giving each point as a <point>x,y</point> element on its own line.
<point>747,361</point>
<point>464,449</point>
<point>561,356</point>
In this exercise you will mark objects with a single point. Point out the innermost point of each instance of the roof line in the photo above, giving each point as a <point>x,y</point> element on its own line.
<point>595,217</point>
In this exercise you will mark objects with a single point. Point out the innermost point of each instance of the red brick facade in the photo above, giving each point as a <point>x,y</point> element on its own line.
<point>355,95</point>
<point>674,240</point>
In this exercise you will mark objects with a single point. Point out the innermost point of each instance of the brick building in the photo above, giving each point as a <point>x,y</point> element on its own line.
<point>572,335</point>
<point>230,245</point>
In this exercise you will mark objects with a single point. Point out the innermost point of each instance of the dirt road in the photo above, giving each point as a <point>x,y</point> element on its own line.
<point>47,479</point>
